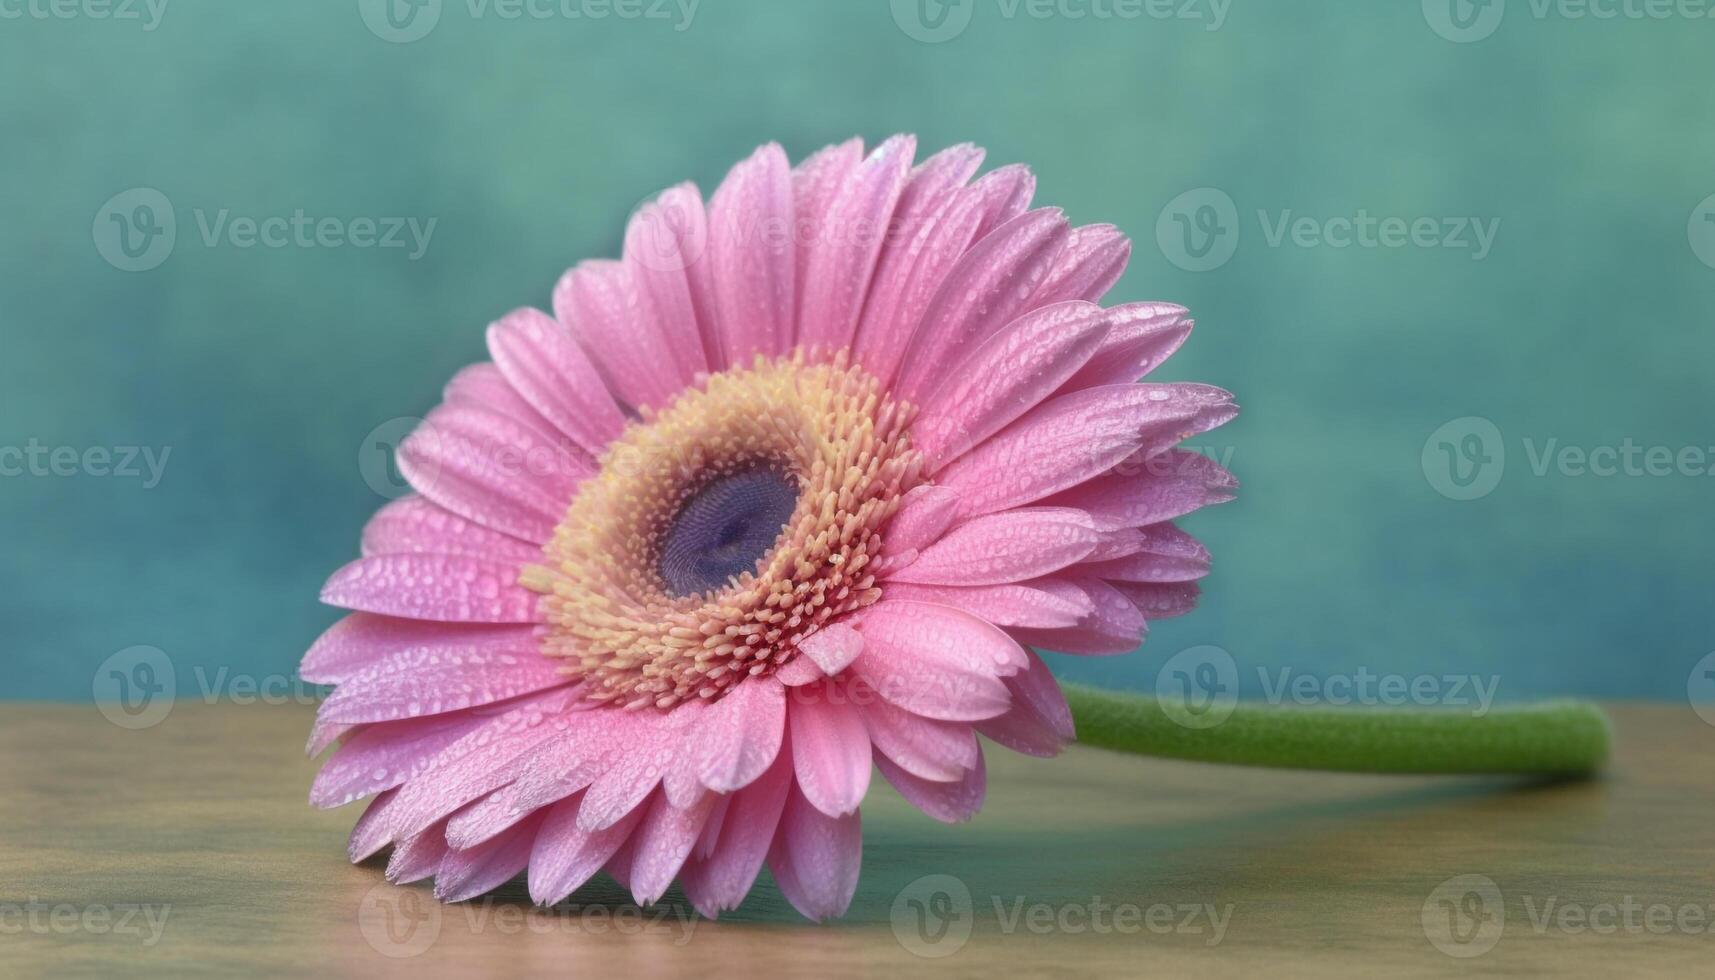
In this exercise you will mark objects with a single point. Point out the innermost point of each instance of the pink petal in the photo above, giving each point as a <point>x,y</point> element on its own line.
<point>662,843</point>
<point>564,856</point>
<point>484,386</point>
<point>1011,604</point>
<point>816,858</point>
<point>1006,376</point>
<point>1006,547</point>
<point>666,246</point>
<point>380,757</point>
<point>601,304</point>
<point>830,748</point>
<point>487,866</point>
<point>930,749</point>
<point>846,243</point>
<point>799,671</point>
<point>924,513</point>
<point>1095,258</point>
<point>1006,193</point>
<point>721,879</point>
<point>741,735</point>
<point>832,648</point>
<point>1169,485</point>
<point>681,783</point>
<point>668,310</point>
<point>936,661</point>
<point>940,175</point>
<point>418,856</point>
<point>552,373</point>
<point>1040,722</point>
<point>1167,555</point>
<point>1143,336</point>
<point>991,285</point>
<point>444,588</point>
<point>443,677</point>
<point>1076,436</point>
<point>590,747</point>
<point>750,224</point>
<point>816,180</point>
<point>412,524</point>
<point>629,781</point>
<point>497,472</point>
<point>948,802</point>
<point>1162,601</point>
<point>324,734</point>
<point>482,761</point>
<point>373,831</point>
<point>484,819</point>
<point>1115,627</point>
<point>936,223</point>
<point>362,639</point>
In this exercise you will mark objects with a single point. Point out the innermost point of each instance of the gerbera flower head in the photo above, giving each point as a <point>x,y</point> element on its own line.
<point>787,493</point>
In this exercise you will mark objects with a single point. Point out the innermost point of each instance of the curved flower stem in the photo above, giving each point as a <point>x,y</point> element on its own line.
<point>1556,737</point>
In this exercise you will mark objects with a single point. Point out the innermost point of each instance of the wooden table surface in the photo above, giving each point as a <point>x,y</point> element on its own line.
<point>188,849</point>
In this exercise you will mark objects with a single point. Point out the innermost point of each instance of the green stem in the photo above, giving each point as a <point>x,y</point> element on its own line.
<point>1558,737</point>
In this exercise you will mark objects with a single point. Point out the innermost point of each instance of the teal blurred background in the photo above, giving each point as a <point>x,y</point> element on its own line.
<point>262,371</point>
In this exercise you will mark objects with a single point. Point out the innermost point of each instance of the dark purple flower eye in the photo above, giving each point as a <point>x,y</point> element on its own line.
<point>725,529</point>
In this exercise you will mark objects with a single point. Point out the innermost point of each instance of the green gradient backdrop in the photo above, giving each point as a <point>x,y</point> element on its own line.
<point>529,141</point>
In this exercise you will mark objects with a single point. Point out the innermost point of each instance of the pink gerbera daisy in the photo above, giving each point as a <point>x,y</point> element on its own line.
<point>787,493</point>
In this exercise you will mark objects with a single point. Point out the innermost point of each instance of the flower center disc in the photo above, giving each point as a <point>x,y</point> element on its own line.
<point>720,531</point>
